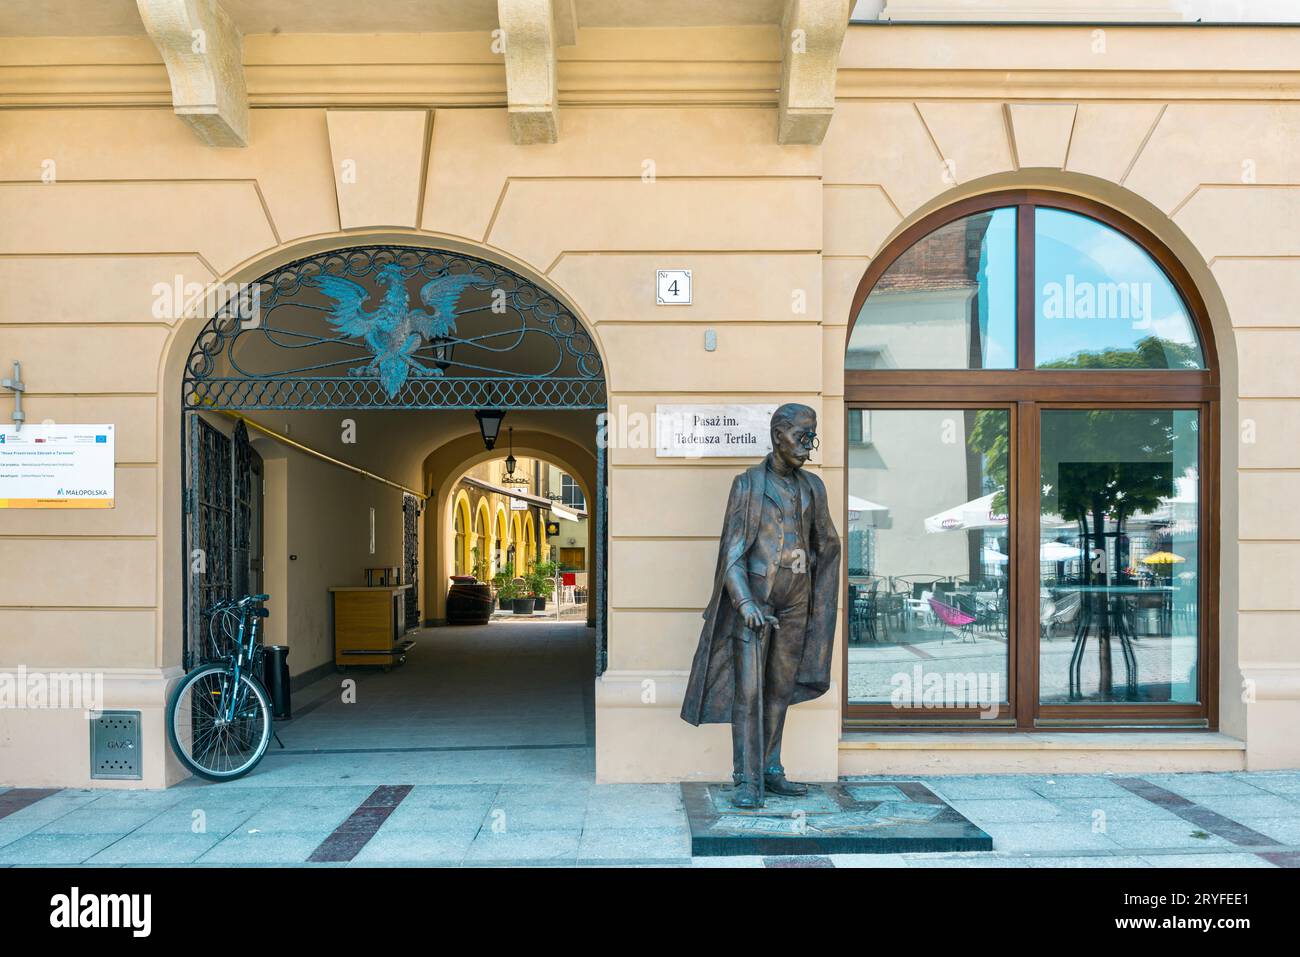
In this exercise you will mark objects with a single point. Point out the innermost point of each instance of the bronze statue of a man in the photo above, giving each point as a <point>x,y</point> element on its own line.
<point>769,627</point>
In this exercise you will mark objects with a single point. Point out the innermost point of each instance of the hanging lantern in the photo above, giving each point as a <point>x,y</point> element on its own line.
<point>489,424</point>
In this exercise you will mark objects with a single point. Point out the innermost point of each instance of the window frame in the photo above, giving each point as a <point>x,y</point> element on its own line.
<point>1028,390</point>
<point>569,490</point>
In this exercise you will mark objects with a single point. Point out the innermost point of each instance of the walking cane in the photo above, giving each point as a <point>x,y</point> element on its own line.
<point>761,638</point>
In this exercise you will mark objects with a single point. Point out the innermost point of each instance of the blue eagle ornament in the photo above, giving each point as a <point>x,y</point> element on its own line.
<point>394,331</point>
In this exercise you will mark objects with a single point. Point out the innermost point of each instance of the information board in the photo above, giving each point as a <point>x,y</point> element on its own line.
<point>56,466</point>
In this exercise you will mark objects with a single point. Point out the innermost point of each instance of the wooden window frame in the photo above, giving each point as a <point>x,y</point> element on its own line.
<point>1027,391</point>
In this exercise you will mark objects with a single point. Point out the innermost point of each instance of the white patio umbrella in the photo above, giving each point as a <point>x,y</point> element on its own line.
<point>977,513</point>
<point>859,507</point>
<point>865,505</point>
<point>1058,552</point>
<point>991,556</point>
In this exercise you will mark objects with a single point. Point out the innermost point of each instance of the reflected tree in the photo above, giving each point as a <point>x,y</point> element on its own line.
<point>1151,352</point>
<point>1100,467</point>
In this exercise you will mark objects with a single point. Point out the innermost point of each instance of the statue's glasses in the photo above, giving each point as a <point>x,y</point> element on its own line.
<point>808,440</point>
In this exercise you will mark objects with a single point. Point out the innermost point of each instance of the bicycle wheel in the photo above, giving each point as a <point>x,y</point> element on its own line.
<point>206,743</point>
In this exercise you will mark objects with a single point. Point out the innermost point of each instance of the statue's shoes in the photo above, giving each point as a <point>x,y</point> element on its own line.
<point>777,784</point>
<point>746,797</point>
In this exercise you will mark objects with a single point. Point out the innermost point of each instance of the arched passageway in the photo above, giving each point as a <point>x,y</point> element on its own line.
<point>360,371</point>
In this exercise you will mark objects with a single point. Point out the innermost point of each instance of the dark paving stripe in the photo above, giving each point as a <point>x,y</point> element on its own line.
<point>353,834</point>
<point>797,861</point>
<point>1282,858</point>
<point>1154,793</point>
<point>16,799</point>
<point>1207,820</point>
<point>466,747</point>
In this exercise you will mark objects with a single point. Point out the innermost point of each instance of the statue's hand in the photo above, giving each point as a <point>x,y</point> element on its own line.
<point>754,617</point>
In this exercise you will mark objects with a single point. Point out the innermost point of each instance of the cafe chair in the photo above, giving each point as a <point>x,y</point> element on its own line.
<point>1063,610</point>
<point>953,618</point>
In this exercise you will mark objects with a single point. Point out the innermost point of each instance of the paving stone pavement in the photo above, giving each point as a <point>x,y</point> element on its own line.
<point>480,752</point>
<point>1034,822</point>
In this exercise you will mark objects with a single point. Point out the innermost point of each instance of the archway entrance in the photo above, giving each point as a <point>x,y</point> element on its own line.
<point>343,372</point>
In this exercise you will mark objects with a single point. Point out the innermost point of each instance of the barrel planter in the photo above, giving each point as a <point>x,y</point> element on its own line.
<point>539,603</point>
<point>469,602</point>
<point>524,606</point>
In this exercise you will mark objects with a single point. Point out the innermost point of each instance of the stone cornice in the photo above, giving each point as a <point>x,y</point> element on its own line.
<point>1078,11</point>
<point>739,67</point>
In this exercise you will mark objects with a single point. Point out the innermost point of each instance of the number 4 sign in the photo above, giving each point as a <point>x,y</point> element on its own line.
<point>673,287</point>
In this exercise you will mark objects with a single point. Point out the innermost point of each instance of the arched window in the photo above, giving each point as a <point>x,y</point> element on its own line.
<point>1031,406</point>
<point>482,548</point>
<point>501,542</point>
<point>460,550</point>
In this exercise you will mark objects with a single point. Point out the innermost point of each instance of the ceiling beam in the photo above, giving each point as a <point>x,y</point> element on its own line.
<point>812,32</point>
<point>528,28</point>
<point>203,52</point>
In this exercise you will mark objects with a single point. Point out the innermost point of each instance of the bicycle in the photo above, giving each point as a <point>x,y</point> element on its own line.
<point>219,716</point>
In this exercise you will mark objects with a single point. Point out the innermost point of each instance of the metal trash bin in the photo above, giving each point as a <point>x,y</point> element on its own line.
<point>275,676</point>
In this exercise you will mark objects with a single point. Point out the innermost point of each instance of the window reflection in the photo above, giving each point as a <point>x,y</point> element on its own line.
<point>1119,556</point>
<point>928,534</point>
<point>949,302</point>
<point>1102,302</point>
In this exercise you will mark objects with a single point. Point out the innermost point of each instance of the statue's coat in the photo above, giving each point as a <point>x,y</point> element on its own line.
<point>711,687</point>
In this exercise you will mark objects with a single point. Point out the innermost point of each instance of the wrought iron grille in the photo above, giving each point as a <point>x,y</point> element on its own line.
<point>210,529</point>
<point>393,327</point>
<point>221,502</point>
<point>241,512</point>
<point>411,558</point>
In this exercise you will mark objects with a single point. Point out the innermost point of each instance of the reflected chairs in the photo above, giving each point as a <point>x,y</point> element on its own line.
<point>917,584</point>
<point>1061,610</point>
<point>985,609</point>
<point>862,613</point>
<point>953,617</point>
<point>893,611</point>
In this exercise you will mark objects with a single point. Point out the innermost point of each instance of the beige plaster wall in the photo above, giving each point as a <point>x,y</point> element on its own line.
<point>777,238</point>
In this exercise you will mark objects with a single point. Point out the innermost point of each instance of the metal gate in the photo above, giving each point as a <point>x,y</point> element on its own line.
<point>221,502</point>
<point>411,558</point>
<point>244,478</point>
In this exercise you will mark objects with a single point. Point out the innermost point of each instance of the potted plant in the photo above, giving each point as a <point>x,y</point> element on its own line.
<point>542,580</point>
<point>522,601</point>
<point>478,565</point>
<point>503,582</point>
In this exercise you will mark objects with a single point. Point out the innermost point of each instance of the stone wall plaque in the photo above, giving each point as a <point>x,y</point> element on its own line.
<point>713,431</point>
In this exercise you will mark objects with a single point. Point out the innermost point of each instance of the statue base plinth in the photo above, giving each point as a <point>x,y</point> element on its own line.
<point>845,817</point>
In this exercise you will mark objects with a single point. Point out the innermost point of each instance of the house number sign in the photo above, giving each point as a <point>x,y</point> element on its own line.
<point>673,287</point>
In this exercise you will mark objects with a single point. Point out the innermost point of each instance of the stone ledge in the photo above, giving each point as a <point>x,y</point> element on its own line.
<point>1040,741</point>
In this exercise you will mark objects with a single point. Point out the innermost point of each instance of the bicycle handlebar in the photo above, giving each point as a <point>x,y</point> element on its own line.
<point>228,604</point>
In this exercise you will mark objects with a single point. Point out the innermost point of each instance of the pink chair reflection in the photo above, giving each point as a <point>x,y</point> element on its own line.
<point>953,618</point>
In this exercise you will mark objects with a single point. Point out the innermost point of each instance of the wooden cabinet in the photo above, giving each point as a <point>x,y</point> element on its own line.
<point>368,625</point>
